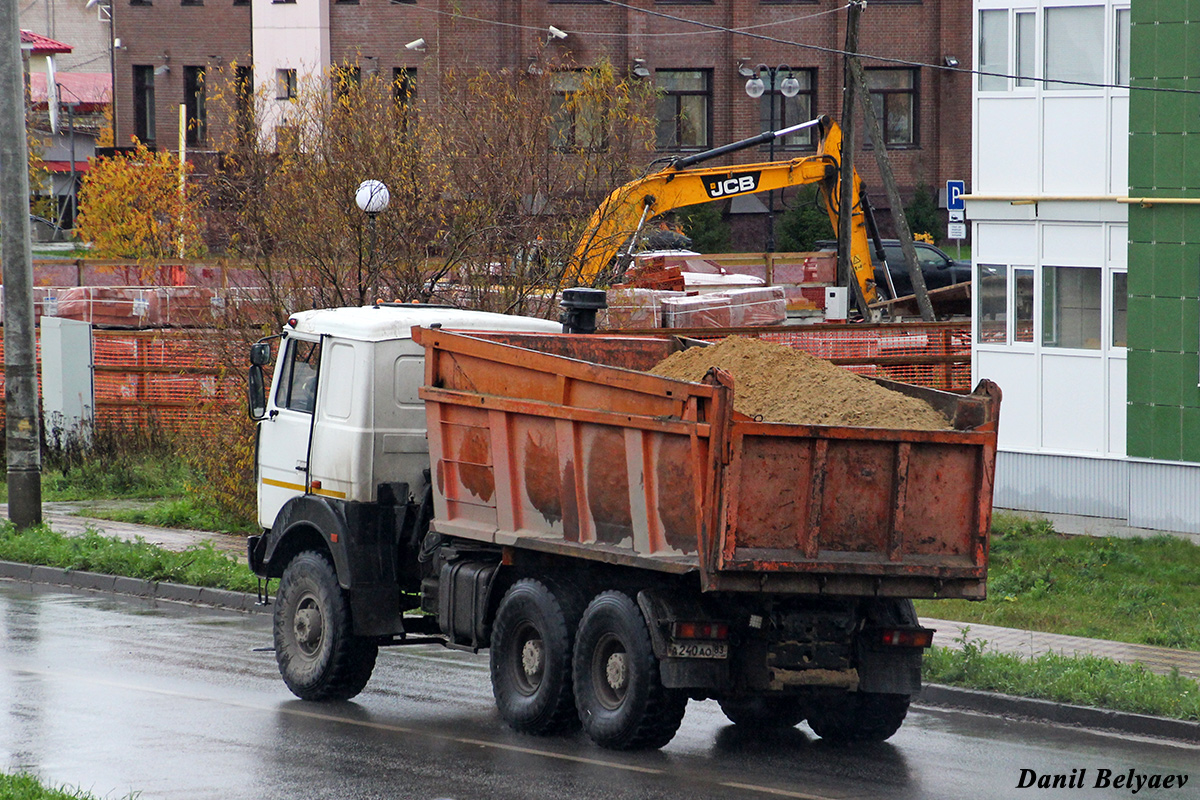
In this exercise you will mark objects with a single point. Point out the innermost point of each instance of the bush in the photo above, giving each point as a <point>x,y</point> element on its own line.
<point>804,223</point>
<point>707,228</point>
<point>924,216</point>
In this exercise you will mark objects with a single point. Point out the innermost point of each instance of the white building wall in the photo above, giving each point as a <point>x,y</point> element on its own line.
<point>1050,246</point>
<point>288,36</point>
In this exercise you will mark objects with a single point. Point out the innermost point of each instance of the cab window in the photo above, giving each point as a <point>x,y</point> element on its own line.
<point>298,384</point>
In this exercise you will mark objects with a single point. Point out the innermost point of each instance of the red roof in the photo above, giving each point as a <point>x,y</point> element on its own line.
<point>43,45</point>
<point>86,88</point>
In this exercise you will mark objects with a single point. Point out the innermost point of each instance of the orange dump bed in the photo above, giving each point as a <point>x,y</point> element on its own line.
<point>565,444</point>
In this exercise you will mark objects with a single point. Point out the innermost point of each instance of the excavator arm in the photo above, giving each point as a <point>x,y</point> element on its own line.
<point>620,217</point>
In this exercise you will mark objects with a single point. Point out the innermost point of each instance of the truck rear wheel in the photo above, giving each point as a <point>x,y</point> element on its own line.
<point>764,711</point>
<point>619,694</point>
<point>318,655</point>
<point>531,658</point>
<point>859,716</point>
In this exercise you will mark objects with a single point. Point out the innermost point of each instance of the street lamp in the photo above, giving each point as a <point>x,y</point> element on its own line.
<point>372,197</point>
<point>755,88</point>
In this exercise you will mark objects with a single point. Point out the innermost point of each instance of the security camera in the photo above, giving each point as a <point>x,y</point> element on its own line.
<point>556,33</point>
<point>416,44</point>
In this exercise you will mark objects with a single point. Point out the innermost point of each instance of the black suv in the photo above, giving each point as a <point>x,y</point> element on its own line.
<point>938,268</point>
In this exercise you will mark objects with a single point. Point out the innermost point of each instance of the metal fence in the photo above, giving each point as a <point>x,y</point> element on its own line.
<point>159,377</point>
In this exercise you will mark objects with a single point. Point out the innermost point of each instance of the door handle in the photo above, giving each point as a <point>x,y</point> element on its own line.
<point>301,466</point>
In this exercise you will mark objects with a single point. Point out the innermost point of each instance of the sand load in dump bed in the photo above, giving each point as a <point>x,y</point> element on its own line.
<point>778,383</point>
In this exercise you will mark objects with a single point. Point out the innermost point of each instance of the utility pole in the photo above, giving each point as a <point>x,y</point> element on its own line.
<point>23,445</point>
<point>846,273</point>
<point>893,192</point>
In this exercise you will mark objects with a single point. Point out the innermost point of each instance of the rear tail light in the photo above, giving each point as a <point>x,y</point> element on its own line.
<point>905,637</point>
<point>699,630</point>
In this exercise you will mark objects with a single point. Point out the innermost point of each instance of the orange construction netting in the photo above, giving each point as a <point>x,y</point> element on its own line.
<point>166,376</point>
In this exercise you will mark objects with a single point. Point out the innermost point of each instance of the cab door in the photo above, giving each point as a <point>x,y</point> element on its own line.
<point>285,434</point>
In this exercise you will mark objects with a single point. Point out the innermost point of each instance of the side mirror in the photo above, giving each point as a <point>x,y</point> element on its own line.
<point>256,390</point>
<point>260,354</point>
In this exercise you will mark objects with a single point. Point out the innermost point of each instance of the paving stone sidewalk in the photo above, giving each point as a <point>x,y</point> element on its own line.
<point>1031,644</point>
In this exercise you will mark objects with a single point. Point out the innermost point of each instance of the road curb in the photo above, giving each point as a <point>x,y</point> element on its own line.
<point>135,587</point>
<point>935,695</point>
<point>932,695</point>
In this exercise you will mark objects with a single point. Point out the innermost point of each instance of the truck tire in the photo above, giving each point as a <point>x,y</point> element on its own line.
<point>318,655</point>
<point>859,717</point>
<point>780,711</point>
<point>619,694</point>
<point>531,658</point>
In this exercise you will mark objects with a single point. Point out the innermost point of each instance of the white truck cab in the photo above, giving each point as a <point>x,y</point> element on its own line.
<point>342,417</point>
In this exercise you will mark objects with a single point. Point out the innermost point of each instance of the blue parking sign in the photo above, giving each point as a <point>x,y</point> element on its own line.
<point>954,195</point>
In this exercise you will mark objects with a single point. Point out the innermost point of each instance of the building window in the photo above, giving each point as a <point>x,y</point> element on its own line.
<point>244,99</point>
<point>894,96</point>
<point>993,50</point>
<point>194,105</point>
<point>1071,307</point>
<point>345,80</point>
<point>241,2</point>
<point>578,120</point>
<point>992,304</point>
<point>285,84</point>
<point>191,2</point>
<point>1026,49</point>
<point>139,2</point>
<point>143,103</point>
<point>1120,309</point>
<point>1122,65</point>
<point>1074,46</point>
<point>684,109</point>
<point>404,85</point>
<point>1023,308</point>
<point>781,111</point>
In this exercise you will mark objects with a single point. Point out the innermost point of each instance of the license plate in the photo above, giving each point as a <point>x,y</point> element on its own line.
<point>698,650</point>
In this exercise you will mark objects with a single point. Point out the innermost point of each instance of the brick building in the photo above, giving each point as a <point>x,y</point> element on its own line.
<point>166,44</point>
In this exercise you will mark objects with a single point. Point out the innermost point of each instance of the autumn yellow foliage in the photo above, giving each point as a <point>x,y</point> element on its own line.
<point>131,207</point>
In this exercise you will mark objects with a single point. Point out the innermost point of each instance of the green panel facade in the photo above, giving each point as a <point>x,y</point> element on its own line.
<point>1164,240</point>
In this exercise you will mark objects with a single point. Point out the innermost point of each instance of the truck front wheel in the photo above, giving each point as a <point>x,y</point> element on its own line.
<point>859,716</point>
<point>531,658</point>
<point>318,654</point>
<point>618,691</point>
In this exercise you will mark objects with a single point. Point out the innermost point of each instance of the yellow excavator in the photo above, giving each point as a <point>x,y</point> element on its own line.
<point>621,216</point>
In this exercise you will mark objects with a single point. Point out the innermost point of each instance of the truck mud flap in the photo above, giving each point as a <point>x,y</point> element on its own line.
<point>659,609</point>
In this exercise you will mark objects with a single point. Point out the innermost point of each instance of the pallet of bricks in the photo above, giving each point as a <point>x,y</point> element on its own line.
<point>706,291</point>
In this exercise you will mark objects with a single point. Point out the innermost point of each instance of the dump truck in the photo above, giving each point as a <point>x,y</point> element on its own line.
<point>621,542</point>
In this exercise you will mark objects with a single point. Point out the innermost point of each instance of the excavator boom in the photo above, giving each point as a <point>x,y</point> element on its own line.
<point>623,212</point>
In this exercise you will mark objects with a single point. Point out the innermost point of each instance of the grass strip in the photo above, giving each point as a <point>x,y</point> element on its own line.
<point>24,786</point>
<point>198,565</point>
<point>177,513</point>
<point>1078,680</point>
<point>1141,591</point>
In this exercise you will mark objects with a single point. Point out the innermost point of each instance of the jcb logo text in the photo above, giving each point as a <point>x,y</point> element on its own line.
<point>735,183</point>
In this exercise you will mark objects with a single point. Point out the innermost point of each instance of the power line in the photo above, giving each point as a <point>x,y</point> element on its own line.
<point>710,28</point>
<point>538,28</point>
<point>890,60</point>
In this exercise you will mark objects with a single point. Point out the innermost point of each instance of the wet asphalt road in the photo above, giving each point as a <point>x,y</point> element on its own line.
<point>114,696</point>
